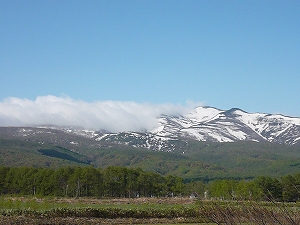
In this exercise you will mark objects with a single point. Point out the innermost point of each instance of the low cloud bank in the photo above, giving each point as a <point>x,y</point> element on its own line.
<point>113,116</point>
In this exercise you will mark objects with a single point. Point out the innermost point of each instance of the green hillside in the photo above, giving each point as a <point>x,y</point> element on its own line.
<point>26,153</point>
<point>249,158</point>
<point>201,160</point>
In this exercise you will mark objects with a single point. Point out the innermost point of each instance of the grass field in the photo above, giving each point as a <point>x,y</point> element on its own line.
<point>58,211</point>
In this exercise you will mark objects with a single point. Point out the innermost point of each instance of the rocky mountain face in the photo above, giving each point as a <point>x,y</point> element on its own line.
<point>174,132</point>
<point>210,124</point>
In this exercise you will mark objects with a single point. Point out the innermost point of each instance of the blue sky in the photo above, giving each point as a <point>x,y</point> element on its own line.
<point>224,54</point>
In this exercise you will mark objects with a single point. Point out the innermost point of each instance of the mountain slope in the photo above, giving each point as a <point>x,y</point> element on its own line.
<point>15,152</point>
<point>201,160</point>
<point>190,159</point>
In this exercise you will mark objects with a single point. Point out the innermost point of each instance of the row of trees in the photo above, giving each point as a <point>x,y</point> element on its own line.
<point>87,181</point>
<point>286,188</point>
<point>129,182</point>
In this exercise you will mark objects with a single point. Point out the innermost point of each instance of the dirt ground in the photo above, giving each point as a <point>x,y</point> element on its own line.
<point>113,201</point>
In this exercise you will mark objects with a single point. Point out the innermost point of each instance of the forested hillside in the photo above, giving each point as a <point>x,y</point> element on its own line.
<point>197,161</point>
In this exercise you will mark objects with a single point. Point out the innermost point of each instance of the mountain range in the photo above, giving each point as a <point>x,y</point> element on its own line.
<point>205,142</point>
<point>202,124</point>
<point>213,125</point>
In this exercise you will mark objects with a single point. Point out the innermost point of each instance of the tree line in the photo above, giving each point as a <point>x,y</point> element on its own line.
<point>113,181</point>
<point>286,188</point>
<point>118,182</point>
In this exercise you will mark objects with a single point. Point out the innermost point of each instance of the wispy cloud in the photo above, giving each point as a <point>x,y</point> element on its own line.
<point>114,116</point>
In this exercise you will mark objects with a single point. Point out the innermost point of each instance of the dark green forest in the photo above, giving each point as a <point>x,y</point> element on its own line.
<point>120,182</point>
<point>87,182</point>
<point>286,188</point>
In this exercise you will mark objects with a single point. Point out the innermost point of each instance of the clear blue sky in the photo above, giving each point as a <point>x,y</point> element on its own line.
<point>225,54</point>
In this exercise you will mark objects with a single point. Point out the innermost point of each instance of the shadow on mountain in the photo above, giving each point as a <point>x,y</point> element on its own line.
<point>56,154</point>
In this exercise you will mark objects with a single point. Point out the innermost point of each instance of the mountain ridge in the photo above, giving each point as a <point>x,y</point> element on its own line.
<point>204,123</point>
<point>212,124</point>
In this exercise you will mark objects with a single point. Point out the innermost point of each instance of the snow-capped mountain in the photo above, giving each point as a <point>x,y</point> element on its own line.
<point>211,124</point>
<point>174,132</point>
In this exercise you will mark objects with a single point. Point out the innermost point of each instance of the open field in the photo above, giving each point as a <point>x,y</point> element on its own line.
<point>59,211</point>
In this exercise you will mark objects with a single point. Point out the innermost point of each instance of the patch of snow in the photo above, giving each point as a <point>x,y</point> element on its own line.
<point>240,135</point>
<point>100,138</point>
<point>202,114</point>
<point>296,140</point>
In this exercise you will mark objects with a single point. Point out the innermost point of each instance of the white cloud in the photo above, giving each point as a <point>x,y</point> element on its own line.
<point>114,116</point>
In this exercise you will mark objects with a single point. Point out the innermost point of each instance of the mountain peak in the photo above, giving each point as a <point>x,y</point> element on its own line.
<point>211,124</point>
<point>233,110</point>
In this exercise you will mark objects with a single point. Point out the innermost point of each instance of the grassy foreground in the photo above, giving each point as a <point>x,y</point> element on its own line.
<point>21,210</point>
